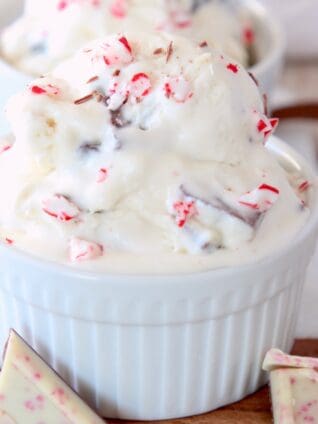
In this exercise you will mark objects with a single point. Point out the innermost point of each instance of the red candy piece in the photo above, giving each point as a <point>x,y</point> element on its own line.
<point>140,85</point>
<point>48,89</point>
<point>178,88</point>
<point>60,207</point>
<point>304,186</point>
<point>118,8</point>
<point>37,90</point>
<point>83,250</point>
<point>260,199</point>
<point>266,126</point>
<point>102,175</point>
<point>125,43</point>
<point>233,68</point>
<point>9,241</point>
<point>117,52</point>
<point>184,212</point>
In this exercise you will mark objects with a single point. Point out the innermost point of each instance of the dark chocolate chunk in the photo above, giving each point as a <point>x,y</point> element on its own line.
<point>90,147</point>
<point>196,4</point>
<point>217,203</point>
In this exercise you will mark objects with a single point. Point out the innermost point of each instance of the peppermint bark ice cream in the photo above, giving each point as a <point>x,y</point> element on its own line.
<point>146,153</point>
<point>51,31</point>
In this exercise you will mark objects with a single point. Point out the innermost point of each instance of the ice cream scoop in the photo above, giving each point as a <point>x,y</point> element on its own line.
<point>146,145</point>
<point>51,31</point>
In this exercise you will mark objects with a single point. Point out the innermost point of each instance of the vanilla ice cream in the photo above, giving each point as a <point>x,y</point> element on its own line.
<point>146,153</point>
<point>52,30</point>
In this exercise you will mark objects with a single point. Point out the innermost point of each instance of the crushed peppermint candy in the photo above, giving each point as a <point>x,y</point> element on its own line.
<point>139,86</point>
<point>60,207</point>
<point>260,199</point>
<point>178,89</point>
<point>266,126</point>
<point>119,52</point>
<point>47,89</point>
<point>83,250</point>
<point>304,186</point>
<point>184,211</point>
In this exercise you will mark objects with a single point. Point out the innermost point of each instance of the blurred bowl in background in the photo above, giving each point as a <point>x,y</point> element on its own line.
<point>268,50</point>
<point>301,44</point>
<point>269,44</point>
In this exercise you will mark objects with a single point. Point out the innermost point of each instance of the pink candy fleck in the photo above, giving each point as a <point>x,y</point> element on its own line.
<point>5,148</point>
<point>34,404</point>
<point>83,250</point>
<point>59,393</point>
<point>118,8</point>
<point>102,175</point>
<point>64,4</point>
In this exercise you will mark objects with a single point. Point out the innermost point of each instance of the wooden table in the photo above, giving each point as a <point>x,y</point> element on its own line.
<point>255,409</point>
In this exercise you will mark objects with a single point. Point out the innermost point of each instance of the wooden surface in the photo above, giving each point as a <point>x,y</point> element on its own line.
<point>255,409</point>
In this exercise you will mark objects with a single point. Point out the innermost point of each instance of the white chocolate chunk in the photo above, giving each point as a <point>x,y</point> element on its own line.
<point>32,393</point>
<point>294,387</point>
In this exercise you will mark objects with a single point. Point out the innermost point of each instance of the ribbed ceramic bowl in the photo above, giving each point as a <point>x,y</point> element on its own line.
<point>160,346</point>
<point>269,48</point>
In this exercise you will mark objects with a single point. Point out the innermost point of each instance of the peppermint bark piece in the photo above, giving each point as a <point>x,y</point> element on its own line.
<point>32,393</point>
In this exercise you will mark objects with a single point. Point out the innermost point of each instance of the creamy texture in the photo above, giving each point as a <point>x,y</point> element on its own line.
<point>32,393</point>
<point>294,387</point>
<point>52,30</point>
<point>146,156</point>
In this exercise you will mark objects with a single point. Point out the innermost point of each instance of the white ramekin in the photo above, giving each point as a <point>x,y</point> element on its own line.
<point>151,347</point>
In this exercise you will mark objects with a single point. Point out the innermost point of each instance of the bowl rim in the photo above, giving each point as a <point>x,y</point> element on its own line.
<point>309,229</point>
<point>277,36</point>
